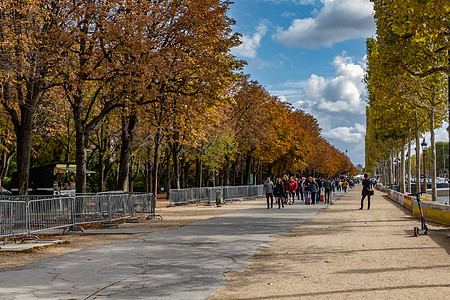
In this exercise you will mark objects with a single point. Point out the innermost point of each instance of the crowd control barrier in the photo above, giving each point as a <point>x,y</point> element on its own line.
<point>24,216</point>
<point>212,194</point>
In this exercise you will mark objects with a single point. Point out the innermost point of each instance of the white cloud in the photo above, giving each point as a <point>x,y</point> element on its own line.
<point>288,14</point>
<point>250,44</point>
<point>337,21</point>
<point>353,134</point>
<point>344,92</point>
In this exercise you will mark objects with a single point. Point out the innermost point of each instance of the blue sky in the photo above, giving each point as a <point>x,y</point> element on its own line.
<point>312,54</point>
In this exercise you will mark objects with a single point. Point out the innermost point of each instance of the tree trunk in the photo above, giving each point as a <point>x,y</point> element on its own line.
<point>23,160</point>
<point>402,168</point>
<point>176,160</point>
<point>5,163</point>
<point>101,165</point>
<point>409,159</point>
<point>248,161</point>
<point>418,188</point>
<point>433,153</point>
<point>81,142</point>
<point>233,173</point>
<point>226,180</point>
<point>390,168</point>
<point>183,173</point>
<point>198,180</point>
<point>156,163</point>
<point>169,173</point>
<point>128,129</point>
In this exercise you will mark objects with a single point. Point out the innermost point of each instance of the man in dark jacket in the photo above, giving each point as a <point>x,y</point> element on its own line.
<point>327,187</point>
<point>366,191</point>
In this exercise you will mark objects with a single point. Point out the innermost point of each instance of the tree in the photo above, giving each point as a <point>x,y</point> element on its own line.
<point>26,63</point>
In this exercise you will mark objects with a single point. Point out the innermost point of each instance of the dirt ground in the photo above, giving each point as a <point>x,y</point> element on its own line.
<point>172,217</point>
<point>340,253</point>
<point>346,253</point>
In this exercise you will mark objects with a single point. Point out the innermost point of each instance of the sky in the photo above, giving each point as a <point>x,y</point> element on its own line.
<point>312,54</point>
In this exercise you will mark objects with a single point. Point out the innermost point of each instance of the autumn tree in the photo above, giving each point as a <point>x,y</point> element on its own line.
<point>26,70</point>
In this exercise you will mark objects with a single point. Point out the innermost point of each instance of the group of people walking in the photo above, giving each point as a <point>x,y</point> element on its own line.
<point>311,190</point>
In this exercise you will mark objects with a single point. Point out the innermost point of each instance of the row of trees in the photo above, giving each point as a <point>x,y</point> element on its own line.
<point>141,90</point>
<point>407,80</point>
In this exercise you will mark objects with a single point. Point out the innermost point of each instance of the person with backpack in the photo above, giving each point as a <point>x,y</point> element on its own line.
<point>307,190</point>
<point>366,191</point>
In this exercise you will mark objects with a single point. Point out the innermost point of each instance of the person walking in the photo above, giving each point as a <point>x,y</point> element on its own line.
<point>268,190</point>
<point>345,185</point>
<point>307,190</point>
<point>313,187</point>
<point>298,191</point>
<point>302,188</point>
<point>319,188</point>
<point>291,188</point>
<point>327,189</point>
<point>366,191</point>
<point>285,181</point>
<point>278,192</point>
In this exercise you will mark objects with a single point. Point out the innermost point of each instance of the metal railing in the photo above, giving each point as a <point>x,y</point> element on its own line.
<point>24,216</point>
<point>211,194</point>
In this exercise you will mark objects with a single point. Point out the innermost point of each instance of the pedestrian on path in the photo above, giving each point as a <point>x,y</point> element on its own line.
<point>314,187</point>
<point>301,188</point>
<point>345,185</point>
<point>278,192</point>
<point>366,191</point>
<point>299,191</point>
<point>306,189</point>
<point>327,188</point>
<point>285,181</point>
<point>268,190</point>
<point>291,188</point>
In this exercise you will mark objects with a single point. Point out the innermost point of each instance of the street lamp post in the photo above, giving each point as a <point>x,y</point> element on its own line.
<point>408,186</point>
<point>424,153</point>
<point>346,161</point>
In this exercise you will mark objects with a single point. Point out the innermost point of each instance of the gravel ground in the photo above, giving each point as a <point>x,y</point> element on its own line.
<point>347,253</point>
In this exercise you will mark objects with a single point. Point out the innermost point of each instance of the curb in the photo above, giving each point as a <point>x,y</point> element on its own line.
<point>434,212</point>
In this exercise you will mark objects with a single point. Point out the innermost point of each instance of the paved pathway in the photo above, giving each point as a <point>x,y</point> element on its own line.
<point>181,263</point>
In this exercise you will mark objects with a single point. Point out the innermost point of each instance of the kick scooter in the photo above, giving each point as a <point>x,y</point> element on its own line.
<point>424,228</point>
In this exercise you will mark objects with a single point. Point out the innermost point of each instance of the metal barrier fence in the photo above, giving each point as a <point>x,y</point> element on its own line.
<point>211,194</point>
<point>24,216</point>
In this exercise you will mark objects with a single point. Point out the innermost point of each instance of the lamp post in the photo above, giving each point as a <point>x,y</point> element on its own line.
<point>407,175</point>
<point>346,161</point>
<point>424,153</point>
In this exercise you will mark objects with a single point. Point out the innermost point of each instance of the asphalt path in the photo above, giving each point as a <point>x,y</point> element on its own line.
<point>186,262</point>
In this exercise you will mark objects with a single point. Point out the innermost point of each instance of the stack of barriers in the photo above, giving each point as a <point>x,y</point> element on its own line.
<point>23,216</point>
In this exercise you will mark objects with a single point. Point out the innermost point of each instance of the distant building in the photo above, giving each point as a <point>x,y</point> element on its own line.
<point>360,167</point>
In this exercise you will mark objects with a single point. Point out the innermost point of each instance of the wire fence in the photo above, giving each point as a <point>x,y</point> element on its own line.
<point>214,194</point>
<point>23,216</point>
